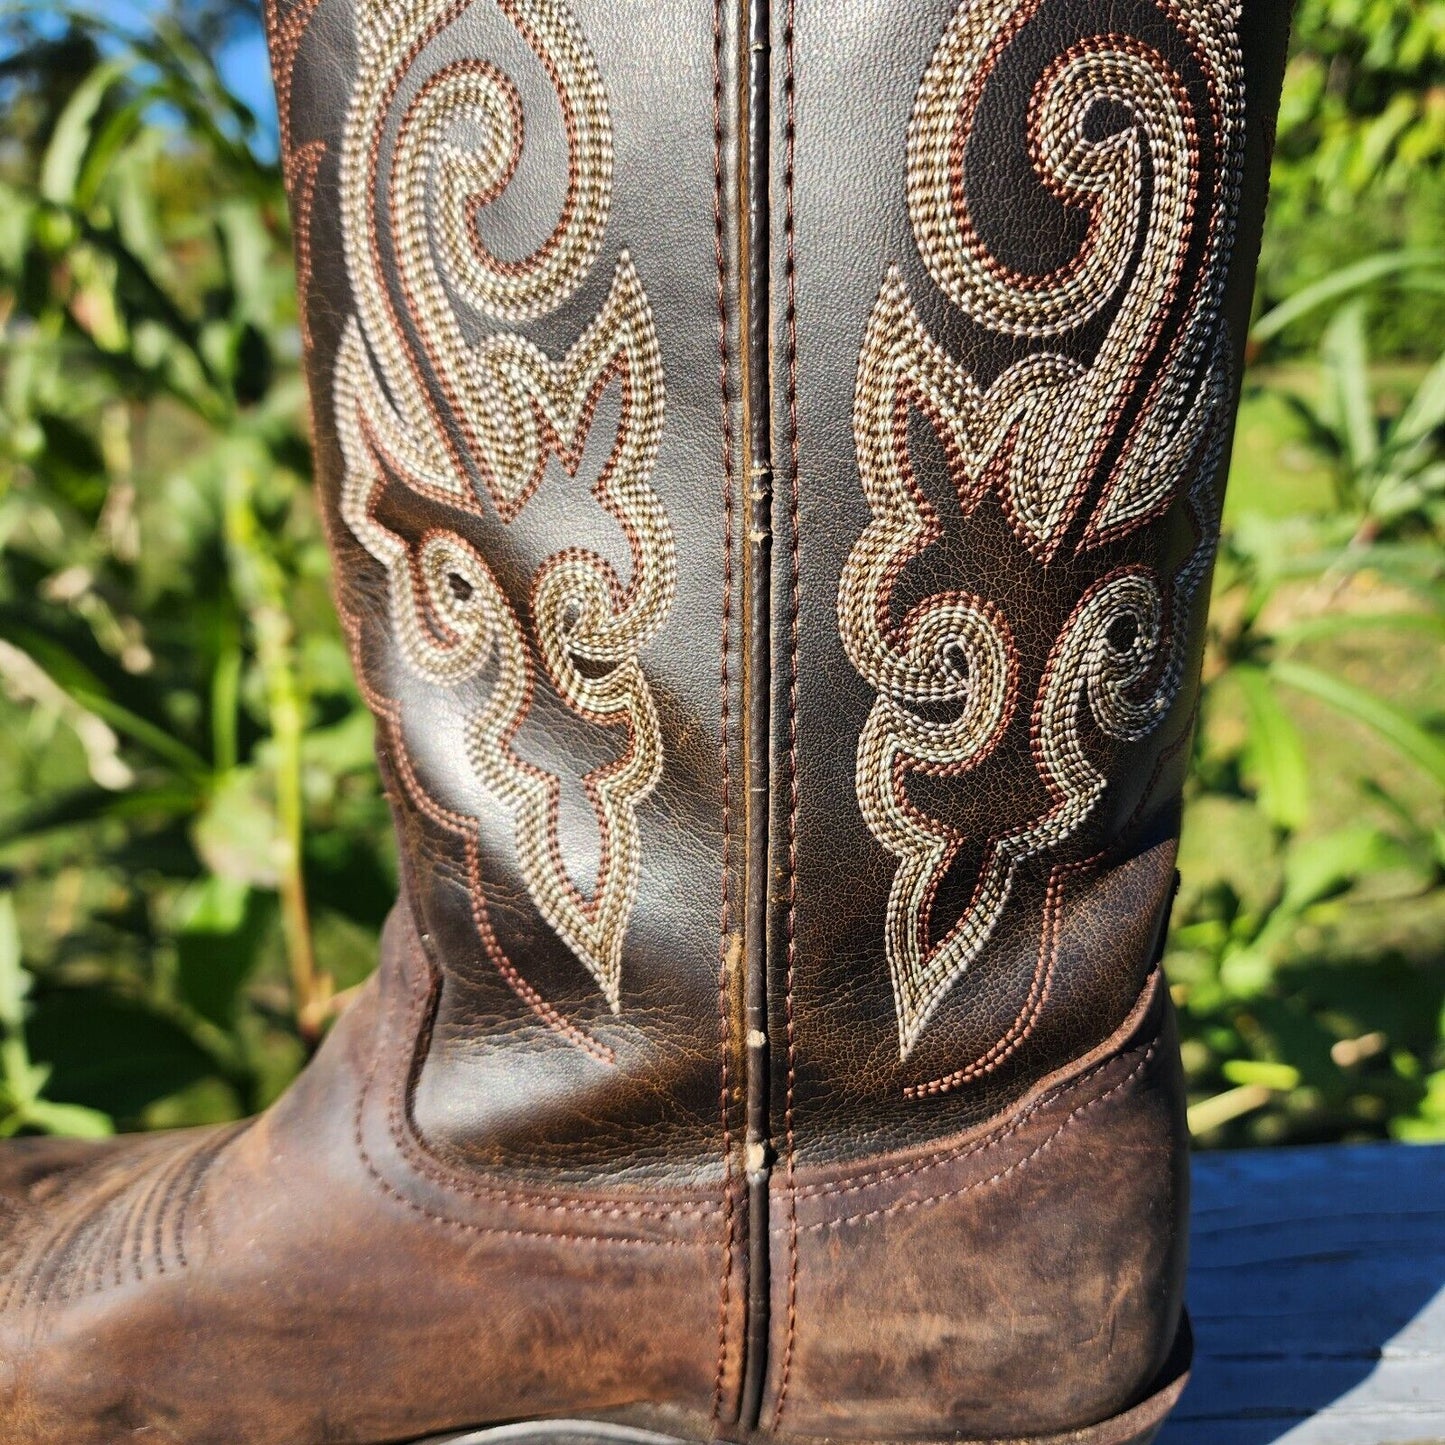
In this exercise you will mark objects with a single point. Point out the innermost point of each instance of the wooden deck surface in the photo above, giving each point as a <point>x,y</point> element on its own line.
<point>1317,1290</point>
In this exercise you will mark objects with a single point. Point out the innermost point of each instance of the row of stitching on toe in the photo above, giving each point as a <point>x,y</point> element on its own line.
<point>127,1219</point>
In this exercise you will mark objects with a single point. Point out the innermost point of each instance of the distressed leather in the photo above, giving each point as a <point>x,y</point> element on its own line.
<point>315,1276</point>
<point>772,463</point>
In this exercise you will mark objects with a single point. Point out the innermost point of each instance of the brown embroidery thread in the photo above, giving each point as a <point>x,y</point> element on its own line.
<point>1038,435</point>
<point>465,422</point>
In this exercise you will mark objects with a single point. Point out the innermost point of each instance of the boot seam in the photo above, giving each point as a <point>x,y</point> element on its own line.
<point>907,1205</point>
<point>724,721</point>
<point>1004,1128</point>
<point>794,612</point>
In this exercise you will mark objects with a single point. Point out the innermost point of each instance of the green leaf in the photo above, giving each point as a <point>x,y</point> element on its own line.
<point>1247,971</point>
<point>344,747</point>
<point>108,140</point>
<point>71,138</point>
<point>1338,624</point>
<point>237,833</point>
<point>1319,868</point>
<point>1427,1125</point>
<point>70,1121</point>
<point>111,1053</point>
<point>1342,283</point>
<point>139,730</point>
<point>1383,718</point>
<point>1346,358</point>
<point>21,1082</point>
<point>223,927</point>
<point>14,981</point>
<point>1276,753</point>
<point>71,674</point>
<point>17,215</point>
<point>248,250</point>
<point>1425,413</point>
<point>1279,1077</point>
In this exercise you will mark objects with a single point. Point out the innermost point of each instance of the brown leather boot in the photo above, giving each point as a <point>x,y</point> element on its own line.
<point>773,462</point>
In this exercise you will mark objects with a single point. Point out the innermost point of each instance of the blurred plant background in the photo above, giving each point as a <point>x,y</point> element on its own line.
<point>194,856</point>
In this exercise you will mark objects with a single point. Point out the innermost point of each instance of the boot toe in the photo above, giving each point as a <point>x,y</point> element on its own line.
<point>32,1168</point>
<point>80,1222</point>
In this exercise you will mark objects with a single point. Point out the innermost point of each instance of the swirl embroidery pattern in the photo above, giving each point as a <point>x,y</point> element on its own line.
<point>467,423</point>
<point>299,164</point>
<point>1050,437</point>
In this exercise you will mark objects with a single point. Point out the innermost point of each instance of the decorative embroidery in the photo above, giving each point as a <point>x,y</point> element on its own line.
<point>113,1221</point>
<point>423,405</point>
<point>299,164</point>
<point>1048,434</point>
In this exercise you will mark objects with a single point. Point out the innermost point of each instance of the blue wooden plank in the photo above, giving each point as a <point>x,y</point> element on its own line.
<point>1317,1289</point>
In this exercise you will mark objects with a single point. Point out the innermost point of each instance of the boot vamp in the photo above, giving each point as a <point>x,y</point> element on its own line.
<point>32,1170</point>
<point>281,1283</point>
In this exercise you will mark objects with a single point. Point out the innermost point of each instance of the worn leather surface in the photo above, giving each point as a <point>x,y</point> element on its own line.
<point>311,1277</point>
<point>315,1277</point>
<point>856,74</point>
<point>1023,1273</point>
<point>727,1176</point>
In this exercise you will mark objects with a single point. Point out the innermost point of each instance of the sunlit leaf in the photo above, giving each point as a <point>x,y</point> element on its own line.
<point>1276,750</point>
<point>1317,868</point>
<point>1425,412</point>
<point>1384,718</point>
<point>1254,1071</point>
<point>72,135</point>
<point>1343,624</point>
<point>71,1121</point>
<point>1346,362</point>
<point>1340,284</point>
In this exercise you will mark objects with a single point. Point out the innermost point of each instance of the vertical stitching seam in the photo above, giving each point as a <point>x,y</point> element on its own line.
<point>794,608</point>
<point>724,715</point>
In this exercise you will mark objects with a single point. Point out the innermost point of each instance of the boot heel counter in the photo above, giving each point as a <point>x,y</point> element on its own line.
<point>1023,1279</point>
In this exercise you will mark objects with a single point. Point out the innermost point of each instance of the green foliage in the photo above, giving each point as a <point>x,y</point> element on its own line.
<point>193,848</point>
<point>1305,955</point>
<point>1362,105</point>
<point>1360,155</point>
<point>22,1106</point>
<point>195,840</point>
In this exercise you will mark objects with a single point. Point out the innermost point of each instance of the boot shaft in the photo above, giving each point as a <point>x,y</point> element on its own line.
<point>1013,268</point>
<point>773,461</point>
<point>508,228</point>
<point>772,458</point>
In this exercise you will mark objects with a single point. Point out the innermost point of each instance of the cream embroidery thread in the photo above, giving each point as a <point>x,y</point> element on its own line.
<point>504,408</point>
<point>1038,435</point>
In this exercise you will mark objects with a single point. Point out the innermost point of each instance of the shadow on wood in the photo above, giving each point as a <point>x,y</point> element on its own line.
<point>1317,1290</point>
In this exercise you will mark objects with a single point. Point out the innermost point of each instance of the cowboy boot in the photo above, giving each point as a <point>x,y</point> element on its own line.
<point>772,463</point>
